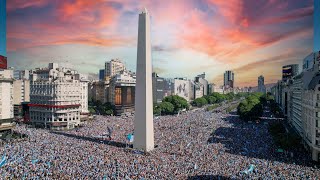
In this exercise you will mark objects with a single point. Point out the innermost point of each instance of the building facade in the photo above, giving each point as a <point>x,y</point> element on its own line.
<point>261,86</point>
<point>182,88</point>
<point>289,71</point>
<point>102,75</point>
<point>6,99</point>
<point>202,80</point>
<point>228,79</point>
<point>299,98</point>
<point>58,96</point>
<point>198,90</point>
<point>113,67</point>
<point>98,91</point>
<point>6,76</point>
<point>21,91</point>
<point>122,92</point>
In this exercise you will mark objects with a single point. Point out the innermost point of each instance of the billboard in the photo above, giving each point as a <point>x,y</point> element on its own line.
<point>181,88</point>
<point>3,62</point>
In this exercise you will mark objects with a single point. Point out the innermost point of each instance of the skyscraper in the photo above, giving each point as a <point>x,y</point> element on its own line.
<point>316,20</point>
<point>229,79</point>
<point>143,123</point>
<point>261,87</point>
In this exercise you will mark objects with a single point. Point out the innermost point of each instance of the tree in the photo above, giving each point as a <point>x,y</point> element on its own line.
<point>210,99</point>
<point>92,110</point>
<point>166,108</point>
<point>199,102</point>
<point>156,109</point>
<point>178,102</point>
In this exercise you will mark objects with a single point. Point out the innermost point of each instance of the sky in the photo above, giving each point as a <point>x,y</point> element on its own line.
<point>188,37</point>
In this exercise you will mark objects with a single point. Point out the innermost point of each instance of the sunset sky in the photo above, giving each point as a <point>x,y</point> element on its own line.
<point>251,37</point>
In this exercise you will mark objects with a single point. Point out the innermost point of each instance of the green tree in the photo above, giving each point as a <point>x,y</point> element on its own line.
<point>156,110</point>
<point>178,102</point>
<point>210,99</point>
<point>166,108</point>
<point>199,102</point>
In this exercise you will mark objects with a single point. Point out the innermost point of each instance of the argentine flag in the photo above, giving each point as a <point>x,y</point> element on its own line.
<point>3,160</point>
<point>130,137</point>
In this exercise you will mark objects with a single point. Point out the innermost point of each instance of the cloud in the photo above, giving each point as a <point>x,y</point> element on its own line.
<point>21,4</point>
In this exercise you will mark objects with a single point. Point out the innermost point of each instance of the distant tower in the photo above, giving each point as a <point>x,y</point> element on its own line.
<point>316,24</point>
<point>229,79</point>
<point>143,123</point>
<point>261,87</point>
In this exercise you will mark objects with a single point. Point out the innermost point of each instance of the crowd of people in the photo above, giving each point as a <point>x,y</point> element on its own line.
<point>194,144</point>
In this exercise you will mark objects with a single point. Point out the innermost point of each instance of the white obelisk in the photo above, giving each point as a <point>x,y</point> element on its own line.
<point>143,123</point>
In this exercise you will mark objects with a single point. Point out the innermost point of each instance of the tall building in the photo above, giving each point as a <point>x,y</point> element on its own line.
<point>299,98</point>
<point>102,74</point>
<point>182,88</point>
<point>113,67</point>
<point>261,86</point>
<point>98,91</point>
<point>229,79</point>
<point>198,90</point>
<point>202,80</point>
<point>21,95</point>
<point>158,88</point>
<point>143,123</point>
<point>289,71</point>
<point>6,99</point>
<point>6,77</point>
<point>122,92</point>
<point>58,97</point>
<point>316,24</point>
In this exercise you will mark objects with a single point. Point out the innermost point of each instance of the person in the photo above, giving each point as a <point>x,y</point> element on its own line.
<point>110,130</point>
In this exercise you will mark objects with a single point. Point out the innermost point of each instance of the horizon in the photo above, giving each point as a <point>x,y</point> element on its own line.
<point>252,38</point>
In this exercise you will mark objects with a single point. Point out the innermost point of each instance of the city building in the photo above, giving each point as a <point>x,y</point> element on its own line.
<point>182,88</point>
<point>102,75</point>
<point>6,77</point>
<point>261,86</point>
<point>289,71</point>
<point>204,83</point>
<point>198,90</point>
<point>316,24</point>
<point>113,67</point>
<point>122,92</point>
<point>58,97</point>
<point>98,91</point>
<point>299,98</point>
<point>217,88</point>
<point>161,88</point>
<point>21,74</point>
<point>229,79</point>
<point>21,94</point>
<point>6,99</point>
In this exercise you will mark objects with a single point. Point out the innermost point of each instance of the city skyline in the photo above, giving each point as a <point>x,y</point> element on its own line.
<point>209,36</point>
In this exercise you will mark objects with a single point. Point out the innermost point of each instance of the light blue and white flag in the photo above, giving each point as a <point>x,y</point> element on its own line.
<point>3,160</point>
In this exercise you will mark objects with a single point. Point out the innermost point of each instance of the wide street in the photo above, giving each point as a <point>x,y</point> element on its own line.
<point>194,145</point>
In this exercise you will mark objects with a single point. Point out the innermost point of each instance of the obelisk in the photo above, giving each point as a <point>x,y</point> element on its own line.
<point>143,123</point>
